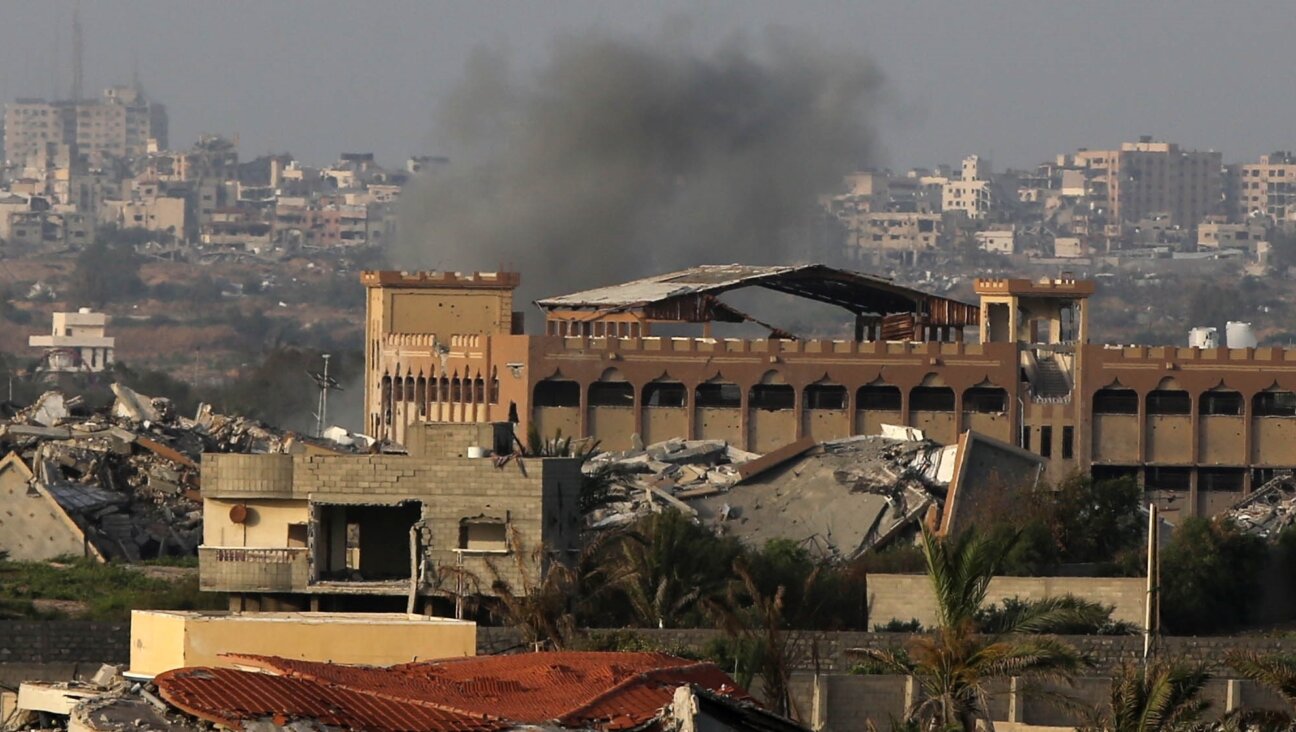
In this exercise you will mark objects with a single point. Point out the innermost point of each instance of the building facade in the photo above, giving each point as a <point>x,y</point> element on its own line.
<point>78,343</point>
<point>344,531</point>
<point>1146,178</point>
<point>1197,427</point>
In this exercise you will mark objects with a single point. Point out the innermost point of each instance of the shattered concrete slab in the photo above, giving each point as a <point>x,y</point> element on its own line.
<point>1269,509</point>
<point>841,497</point>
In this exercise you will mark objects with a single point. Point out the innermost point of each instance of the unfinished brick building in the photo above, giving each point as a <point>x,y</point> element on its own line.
<point>1198,426</point>
<point>343,531</point>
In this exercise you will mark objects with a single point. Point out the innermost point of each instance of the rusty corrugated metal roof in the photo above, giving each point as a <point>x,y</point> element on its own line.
<point>607,691</point>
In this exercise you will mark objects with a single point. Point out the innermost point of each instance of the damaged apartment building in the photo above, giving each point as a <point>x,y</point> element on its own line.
<point>381,531</point>
<point>1198,427</point>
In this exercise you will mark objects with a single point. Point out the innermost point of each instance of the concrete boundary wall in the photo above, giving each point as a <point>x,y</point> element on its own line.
<point>910,596</point>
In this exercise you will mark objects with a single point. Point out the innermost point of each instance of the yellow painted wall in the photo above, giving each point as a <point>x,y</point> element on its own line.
<point>827,424</point>
<point>715,423</point>
<point>448,312</point>
<point>1273,438</point>
<point>613,425</point>
<point>870,422</point>
<point>550,420</point>
<point>1115,438</point>
<point>938,426</point>
<point>771,430</point>
<point>1169,438</point>
<point>997,426</point>
<point>1222,440</point>
<point>664,423</point>
<point>164,640</point>
<point>266,525</point>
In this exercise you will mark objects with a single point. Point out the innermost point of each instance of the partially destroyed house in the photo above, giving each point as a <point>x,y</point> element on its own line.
<point>385,531</point>
<point>1198,427</point>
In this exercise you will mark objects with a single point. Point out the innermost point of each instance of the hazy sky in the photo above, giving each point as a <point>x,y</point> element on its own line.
<point>1015,81</point>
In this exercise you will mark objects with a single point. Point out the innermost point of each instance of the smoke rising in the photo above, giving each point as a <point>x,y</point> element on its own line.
<point>620,158</point>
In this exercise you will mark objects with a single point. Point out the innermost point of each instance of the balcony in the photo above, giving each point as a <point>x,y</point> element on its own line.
<point>253,569</point>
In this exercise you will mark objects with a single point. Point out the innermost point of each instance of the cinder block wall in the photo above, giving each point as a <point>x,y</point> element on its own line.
<point>910,596</point>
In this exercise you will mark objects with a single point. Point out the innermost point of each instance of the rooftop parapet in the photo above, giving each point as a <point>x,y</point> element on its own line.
<point>463,280</point>
<point>1055,286</point>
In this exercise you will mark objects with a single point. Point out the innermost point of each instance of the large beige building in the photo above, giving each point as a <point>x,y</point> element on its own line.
<point>1145,178</point>
<point>972,193</point>
<point>120,124</point>
<point>1268,188</point>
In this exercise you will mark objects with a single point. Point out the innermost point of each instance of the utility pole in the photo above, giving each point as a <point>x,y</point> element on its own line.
<point>1152,612</point>
<point>325,383</point>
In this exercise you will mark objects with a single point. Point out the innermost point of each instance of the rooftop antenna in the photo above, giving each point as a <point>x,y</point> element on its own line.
<point>76,52</point>
<point>326,384</point>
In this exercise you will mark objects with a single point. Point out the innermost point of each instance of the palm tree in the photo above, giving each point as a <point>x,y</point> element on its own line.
<point>1163,697</point>
<point>667,565</point>
<point>956,663</point>
<point>1278,673</point>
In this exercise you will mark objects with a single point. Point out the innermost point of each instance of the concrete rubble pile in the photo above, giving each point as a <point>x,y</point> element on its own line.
<point>106,703</point>
<point>1269,509</point>
<point>664,473</point>
<point>843,497</point>
<point>128,476</point>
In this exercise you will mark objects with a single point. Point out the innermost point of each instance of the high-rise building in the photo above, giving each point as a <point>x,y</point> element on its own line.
<point>1267,188</point>
<point>1150,177</point>
<point>120,124</point>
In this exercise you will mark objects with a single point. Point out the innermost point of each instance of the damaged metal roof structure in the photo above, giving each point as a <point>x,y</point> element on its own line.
<point>691,296</point>
<point>1269,509</point>
<point>563,690</point>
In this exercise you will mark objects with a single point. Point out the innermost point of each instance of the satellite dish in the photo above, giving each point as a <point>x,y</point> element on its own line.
<point>239,513</point>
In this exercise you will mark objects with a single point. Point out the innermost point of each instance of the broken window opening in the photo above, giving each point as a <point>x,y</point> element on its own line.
<point>1166,479</point>
<point>479,390</point>
<point>1046,442</point>
<point>931,399</point>
<point>365,543</point>
<point>1220,479</point>
<point>665,394</point>
<point>1221,403</point>
<point>1068,442</point>
<point>557,393</point>
<point>483,534</point>
<point>719,395</point>
<point>1114,472</point>
<point>1115,401</point>
<point>494,390</point>
<point>772,397</point>
<point>1274,403</point>
<point>985,400</point>
<point>825,396</point>
<point>1166,401</point>
<point>409,388</point>
<point>456,390</point>
<point>611,394</point>
<point>878,398</point>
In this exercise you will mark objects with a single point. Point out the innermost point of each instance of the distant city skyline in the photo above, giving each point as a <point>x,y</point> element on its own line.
<point>1015,82</point>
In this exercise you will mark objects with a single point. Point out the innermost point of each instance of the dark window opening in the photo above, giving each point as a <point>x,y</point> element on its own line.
<point>1220,479</point>
<point>719,395</point>
<point>361,544</point>
<point>1025,437</point>
<point>1046,442</point>
<point>611,394</point>
<point>1274,404</point>
<point>1068,443</point>
<point>1115,401</point>
<point>772,397</point>
<point>665,394</point>
<point>985,400</point>
<point>931,399</point>
<point>1221,402</point>
<point>1167,479</point>
<point>878,398</point>
<point>825,396</point>
<point>1164,401</point>
<point>557,393</point>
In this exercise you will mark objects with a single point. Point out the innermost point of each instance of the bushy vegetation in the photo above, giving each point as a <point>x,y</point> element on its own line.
<point>99,591</point>
<point>1210,577</point>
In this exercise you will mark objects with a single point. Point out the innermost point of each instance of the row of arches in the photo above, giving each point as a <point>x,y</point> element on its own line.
<point>559,392</point>
<point>416,395</point>
<point>1220,401</point>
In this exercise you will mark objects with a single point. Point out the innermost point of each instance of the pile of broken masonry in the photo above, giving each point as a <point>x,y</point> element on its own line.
<point>106,702</point>
<point>839,498</point>
<point>128,476</point>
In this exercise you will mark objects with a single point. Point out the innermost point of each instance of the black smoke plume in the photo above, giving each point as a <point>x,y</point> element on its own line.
<point>619,158</point>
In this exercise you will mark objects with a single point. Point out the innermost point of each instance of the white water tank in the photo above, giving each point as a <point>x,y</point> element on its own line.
<point>1239,335</point>
<point>1203,337</point>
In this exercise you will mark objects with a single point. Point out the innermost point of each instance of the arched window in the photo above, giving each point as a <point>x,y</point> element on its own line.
<point>772,393</point>
<point>878,397</point>
<point>1115,400</point>
<point>1221,402</point>
<point>931,399</point>
<point>985,400</point>
<point>664,394</point>
<point>719,395</point>
<point>1274,403</point>
<point>557,393</point>
<point>825,395</point>
<point>611,390</point>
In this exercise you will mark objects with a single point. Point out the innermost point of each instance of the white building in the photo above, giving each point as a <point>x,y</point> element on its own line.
<point>971,192</point>
<point>77,343</point>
